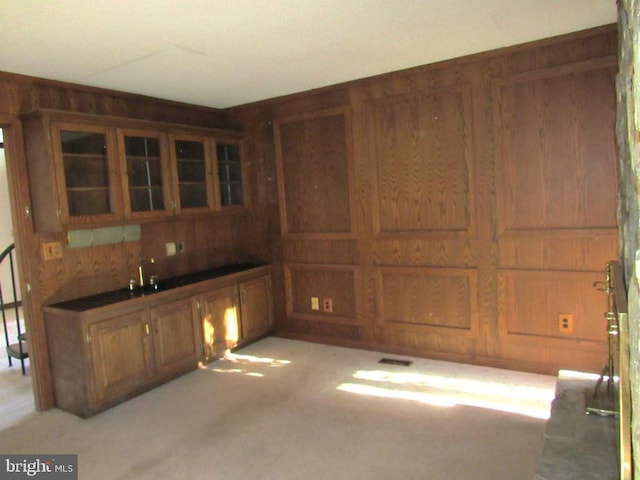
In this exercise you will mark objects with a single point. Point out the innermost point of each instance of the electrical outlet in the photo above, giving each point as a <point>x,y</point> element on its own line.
<point>315,303</point>
<point>327,305</point>
<point>51,250</point>
<point>170,248</point>
<point>565,322</point>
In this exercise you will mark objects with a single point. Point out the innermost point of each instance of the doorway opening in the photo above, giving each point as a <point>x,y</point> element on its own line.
<point>16,387</point>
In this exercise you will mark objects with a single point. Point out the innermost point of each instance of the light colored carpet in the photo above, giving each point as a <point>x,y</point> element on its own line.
<point>283,409</point>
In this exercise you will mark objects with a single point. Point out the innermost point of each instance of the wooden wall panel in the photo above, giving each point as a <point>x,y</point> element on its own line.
<point>557,192</point>
<point>314,160</point>
<point>457,253</point>
<point>420,299</point>
<point>420,144</point>
<point>208,241</point>
<point>556,149</point>
<point>338,283</point>
<point>531,301</point>
<point>321,251</point>
<point>552,250</point>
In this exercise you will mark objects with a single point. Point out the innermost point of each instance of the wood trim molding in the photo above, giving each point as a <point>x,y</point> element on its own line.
<point>27,256</point>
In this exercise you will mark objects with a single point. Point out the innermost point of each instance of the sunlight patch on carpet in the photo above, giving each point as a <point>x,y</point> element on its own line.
<point>450,391</point>
<point>244,364</point>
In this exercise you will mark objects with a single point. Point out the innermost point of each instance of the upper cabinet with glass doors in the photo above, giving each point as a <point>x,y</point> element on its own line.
<point>230,171</point>
<point>146,180</point>
<point>73,173</point>
<point>192,173</point>
<point>208,173</point>
<point>87,171</point>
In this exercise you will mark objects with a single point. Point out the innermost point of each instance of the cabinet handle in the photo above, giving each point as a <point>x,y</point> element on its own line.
<point>146,328</point>
<point>88,338</point>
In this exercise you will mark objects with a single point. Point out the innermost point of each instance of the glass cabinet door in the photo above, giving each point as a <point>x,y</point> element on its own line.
<point>229,173</point>
<point>192,172</point>
<point>86,158</point>
<point>147,185</point>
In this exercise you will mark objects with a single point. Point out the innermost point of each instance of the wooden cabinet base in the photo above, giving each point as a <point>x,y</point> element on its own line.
<point>103,356</point>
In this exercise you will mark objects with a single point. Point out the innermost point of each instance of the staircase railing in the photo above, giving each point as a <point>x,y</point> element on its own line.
<point>19,349</point>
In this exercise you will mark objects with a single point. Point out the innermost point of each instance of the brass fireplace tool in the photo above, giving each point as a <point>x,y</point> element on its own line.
<point>603,403</point>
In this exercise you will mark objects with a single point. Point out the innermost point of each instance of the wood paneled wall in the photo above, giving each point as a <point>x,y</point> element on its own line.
<point>449,211</point>
<point>457,208</point>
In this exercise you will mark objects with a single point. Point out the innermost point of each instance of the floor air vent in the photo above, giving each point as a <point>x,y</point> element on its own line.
<point>395,361</point>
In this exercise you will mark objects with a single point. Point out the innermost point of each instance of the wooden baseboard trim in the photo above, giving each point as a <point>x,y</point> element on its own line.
<point>482,361</point>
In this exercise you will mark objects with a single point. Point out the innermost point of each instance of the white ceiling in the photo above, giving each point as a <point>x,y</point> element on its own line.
<point>223,53</point>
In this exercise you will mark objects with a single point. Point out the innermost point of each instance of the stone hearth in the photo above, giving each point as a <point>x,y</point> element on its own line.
<point>578,445</point>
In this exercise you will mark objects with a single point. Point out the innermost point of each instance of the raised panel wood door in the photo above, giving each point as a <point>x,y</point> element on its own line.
<point>121,356</point>
<point>220,319</point>
<point>176,337</point>
<point>255,307</point>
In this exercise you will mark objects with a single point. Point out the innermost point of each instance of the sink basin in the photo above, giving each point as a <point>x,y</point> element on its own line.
<point>157,286</point>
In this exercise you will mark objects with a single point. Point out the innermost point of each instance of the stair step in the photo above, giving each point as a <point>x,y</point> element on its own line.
<point>13,350</point>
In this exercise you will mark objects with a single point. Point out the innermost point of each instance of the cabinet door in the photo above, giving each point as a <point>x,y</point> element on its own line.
<point>230,173</point>
<point>146,182</point>
<point>193,175</point>
<point>176,337</point>
<point>121,356</point>
<point>86,173</point>
<point>219,317</point>
<point>256,307</point>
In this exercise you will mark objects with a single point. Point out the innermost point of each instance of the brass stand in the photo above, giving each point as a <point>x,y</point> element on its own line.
<point>605,404</point>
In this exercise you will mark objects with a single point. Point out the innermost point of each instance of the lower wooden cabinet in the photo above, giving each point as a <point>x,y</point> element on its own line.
<point>177,343</point>
<point>219,315</point>
<point>96,364</point>
<point>103,356</point>
<point>120,360</point>
<point>256,307</point>
<point>235,315</point>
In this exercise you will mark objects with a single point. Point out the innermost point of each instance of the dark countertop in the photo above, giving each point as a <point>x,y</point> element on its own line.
<point>124,294</point>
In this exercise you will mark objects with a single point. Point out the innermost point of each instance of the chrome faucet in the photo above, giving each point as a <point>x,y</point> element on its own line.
<point>140,271</point>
